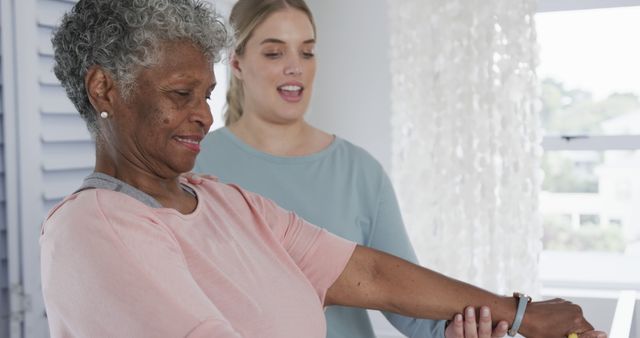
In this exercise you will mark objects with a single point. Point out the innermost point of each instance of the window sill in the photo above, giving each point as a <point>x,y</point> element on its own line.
<point>589,270</point>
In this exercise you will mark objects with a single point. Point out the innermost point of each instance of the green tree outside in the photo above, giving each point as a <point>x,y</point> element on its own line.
<point>574,112</point>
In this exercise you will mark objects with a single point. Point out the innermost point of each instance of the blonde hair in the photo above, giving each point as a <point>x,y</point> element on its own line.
<point>246,15</point>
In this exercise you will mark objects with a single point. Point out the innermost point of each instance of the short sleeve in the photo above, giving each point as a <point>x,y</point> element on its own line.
<point>111,270</point>
<point>321,255</point>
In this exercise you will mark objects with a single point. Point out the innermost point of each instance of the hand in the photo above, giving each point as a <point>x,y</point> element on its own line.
<point>467,328</point>
<point>196,179</point>
<point>556,318</point>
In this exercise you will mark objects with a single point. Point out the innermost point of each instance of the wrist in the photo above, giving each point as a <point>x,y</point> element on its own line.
<point>521,303</point>
<point>531,322</point>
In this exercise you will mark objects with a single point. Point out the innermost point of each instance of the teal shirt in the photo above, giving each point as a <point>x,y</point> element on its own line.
<point>342,189</point>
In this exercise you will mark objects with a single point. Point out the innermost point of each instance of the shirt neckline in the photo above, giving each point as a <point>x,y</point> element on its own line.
<point>226,132</point>
<point>100,180</point>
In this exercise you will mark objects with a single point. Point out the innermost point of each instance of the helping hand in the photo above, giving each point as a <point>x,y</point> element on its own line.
<point>467,327</point>
<point>196,179</point>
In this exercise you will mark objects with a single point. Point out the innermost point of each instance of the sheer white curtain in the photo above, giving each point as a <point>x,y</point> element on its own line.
<point>466,138</point>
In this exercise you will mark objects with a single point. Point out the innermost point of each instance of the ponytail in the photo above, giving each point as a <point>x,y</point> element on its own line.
<point>235,95</point>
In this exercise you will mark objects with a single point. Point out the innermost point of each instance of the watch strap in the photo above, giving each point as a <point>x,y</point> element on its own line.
<point>523,300</point>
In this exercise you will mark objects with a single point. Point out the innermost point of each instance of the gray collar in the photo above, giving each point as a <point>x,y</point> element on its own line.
<point>102,181</point>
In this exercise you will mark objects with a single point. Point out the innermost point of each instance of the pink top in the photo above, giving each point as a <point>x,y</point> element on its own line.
<point>238,266</point>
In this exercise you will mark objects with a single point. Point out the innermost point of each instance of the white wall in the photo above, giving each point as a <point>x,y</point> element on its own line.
<point>352,89</point>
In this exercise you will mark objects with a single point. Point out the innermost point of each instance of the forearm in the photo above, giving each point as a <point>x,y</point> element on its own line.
<point>373,279</point>
<point>385,282</point>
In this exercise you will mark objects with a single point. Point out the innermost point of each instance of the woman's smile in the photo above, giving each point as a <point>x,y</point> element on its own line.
<point>190,142</point>
<point>291,92</point>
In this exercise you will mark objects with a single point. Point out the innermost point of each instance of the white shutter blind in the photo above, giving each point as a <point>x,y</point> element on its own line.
<point>48,152</point>
<point>67,148</point>
<point>4,273</point>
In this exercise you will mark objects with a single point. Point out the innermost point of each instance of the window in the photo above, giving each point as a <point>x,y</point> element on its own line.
<point>590,90</point>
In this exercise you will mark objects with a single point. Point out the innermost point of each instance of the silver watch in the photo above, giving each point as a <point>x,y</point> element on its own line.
<point>523,300</point>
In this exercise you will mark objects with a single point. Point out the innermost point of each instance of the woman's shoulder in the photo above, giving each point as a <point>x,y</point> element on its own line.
<point>358,155</point>
<point>94,206</point>
<point>87,200</point>
<point>214,191</point>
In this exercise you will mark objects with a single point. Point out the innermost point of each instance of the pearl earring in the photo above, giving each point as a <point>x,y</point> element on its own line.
<point>104,115</point>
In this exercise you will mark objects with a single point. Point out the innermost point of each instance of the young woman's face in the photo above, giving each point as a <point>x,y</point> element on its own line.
<point>278,67</point>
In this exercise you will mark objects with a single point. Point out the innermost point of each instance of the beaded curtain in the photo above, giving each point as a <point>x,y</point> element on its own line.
<point>466,138</point>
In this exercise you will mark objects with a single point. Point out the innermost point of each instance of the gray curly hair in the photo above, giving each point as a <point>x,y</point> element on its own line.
<point>122,36</point>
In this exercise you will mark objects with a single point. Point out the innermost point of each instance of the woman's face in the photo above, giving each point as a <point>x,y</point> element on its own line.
<point>278,67</point>
<point>159,127</point>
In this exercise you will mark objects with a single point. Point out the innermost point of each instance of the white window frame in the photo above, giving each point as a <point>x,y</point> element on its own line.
<point>591,142</point>
<point>582,142</point>
<point>569,5</point>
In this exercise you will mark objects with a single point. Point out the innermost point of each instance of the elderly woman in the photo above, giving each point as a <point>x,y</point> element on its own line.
<point>137,252</point>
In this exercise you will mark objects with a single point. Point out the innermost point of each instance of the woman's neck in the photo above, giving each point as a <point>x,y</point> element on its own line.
<point>291,139</point>
<point>166,190</point>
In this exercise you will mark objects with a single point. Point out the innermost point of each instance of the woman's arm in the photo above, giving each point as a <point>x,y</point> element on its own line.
<point>373,279</point>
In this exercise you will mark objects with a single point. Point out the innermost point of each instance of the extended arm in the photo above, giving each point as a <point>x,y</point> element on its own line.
<point>377,280</point>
